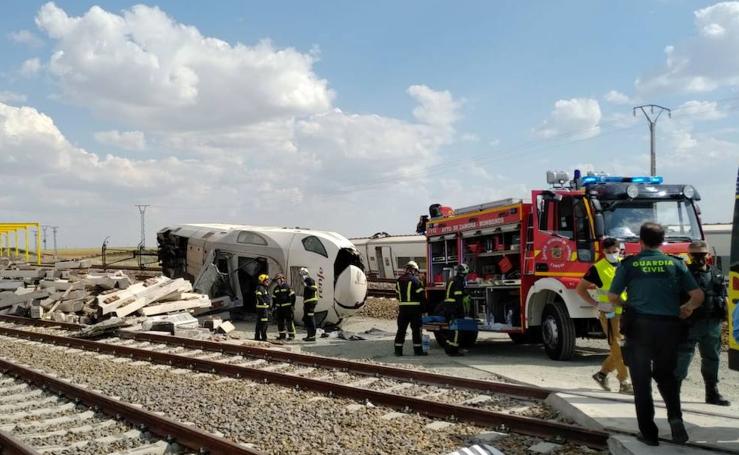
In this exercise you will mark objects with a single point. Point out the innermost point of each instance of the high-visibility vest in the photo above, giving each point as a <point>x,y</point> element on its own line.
<point>410,297</point>
<point>606,273</point>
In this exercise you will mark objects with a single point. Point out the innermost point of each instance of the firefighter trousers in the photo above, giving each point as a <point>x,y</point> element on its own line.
<point>706,333</point>
<point>614,361</point>
<point>285,322</point>
<point>260,330</point>
<point>409,315</point>
<point>309,311</point>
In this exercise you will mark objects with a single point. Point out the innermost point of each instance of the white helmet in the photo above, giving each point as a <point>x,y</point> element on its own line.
<point>463,269</point>
<point>412,265</point>
<point>304,272</point>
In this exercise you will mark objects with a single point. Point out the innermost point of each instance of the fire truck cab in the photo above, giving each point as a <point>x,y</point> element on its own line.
<point>526,257</point>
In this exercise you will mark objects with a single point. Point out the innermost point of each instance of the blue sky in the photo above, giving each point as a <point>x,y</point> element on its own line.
<point>504,91</point>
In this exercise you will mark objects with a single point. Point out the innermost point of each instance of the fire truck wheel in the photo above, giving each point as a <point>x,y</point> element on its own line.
<point>558,331</point>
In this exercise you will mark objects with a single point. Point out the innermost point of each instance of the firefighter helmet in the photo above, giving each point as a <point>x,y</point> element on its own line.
<point>279,276</point>
<point>304,272</point>
<point>263,278</point>
<point>412,265</point>
<point>463,269</point>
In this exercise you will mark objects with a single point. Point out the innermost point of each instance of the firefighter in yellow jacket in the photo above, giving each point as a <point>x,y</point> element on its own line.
<point>599,277</point>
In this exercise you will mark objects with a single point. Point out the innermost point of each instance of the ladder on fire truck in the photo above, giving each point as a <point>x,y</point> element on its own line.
<point>529,256</point>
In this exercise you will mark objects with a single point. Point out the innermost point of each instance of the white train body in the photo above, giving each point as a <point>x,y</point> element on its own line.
<point>225,259</point>
<point>385,256</point>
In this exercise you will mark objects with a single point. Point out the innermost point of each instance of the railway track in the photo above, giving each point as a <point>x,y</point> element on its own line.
<point>481,403</point>
<point>386,293</point>
<point>43,414</point>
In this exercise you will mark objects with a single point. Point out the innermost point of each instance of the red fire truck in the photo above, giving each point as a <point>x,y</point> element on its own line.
<point>526,257</point>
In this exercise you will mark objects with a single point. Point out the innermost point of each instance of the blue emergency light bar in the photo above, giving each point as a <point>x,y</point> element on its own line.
<point>592,179</point>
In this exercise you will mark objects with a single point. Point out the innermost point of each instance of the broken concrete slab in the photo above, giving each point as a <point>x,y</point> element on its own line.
<point>68,265</point>
<point>170,323</point>
<point>35,274</point>
<point>10,285</point>
<point>226,327</point>
<point>168,307</point>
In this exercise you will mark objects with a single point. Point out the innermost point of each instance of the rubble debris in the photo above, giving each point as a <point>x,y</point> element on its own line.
<point>68,265</point>
<point>170,323</point>
<point>226,327</point>
<point>70,292</point>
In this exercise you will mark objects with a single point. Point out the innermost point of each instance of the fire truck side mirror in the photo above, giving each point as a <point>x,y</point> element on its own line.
<point>600,225</point>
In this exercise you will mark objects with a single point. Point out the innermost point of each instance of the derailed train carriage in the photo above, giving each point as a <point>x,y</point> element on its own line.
<point>225,260</point>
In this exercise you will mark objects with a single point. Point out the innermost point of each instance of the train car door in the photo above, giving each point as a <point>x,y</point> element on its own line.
<point>385,261</point>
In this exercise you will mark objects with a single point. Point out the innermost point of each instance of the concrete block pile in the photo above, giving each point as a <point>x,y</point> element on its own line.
<point>70,292</point>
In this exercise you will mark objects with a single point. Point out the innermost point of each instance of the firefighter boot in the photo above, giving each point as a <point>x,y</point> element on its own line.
<point>713,396</point>
<point>418,350</point>
<point>399,351</point>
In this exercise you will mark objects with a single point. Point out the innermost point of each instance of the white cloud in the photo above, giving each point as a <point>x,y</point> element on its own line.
<point>30,67</point>
<point>616,97</point>
<point>7,96</point>
<point>143,67</point>
<point>704,62</point>
<point>469,137</point>
<point>700,110</point>
<point>128,140</point>
<point>434,108</point>
<point>576,118</point>
<point>26,37</point>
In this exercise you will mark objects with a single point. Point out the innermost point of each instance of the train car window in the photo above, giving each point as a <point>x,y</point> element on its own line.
<point>250,238</point>
<point>314,245</point>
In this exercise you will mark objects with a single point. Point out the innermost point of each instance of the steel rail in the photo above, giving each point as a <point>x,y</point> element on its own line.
<point>524,425</point>
<point>188,436</point>
<point>10,445</point>
<point>324,362</point>
<point>342,364</point>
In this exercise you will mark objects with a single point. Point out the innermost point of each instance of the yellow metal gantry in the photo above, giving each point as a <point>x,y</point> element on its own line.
<point>15,228</point>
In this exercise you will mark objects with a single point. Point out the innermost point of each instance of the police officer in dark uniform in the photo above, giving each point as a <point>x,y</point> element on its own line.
<point>453,308</point>
<point>412,300</point>
<point>310,300</point>
<point>283,301</point>
<point>652,325</point>
<point>705,323</point>
<point>264,302</point>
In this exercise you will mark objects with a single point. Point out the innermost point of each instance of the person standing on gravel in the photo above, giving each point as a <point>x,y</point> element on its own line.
<point>264,302</point>
<point>653,328</point>
<point>411,302</point>
<point>599,277</point>
<point>283,301</point>
<point>705,323</point>
<point>310,300</point>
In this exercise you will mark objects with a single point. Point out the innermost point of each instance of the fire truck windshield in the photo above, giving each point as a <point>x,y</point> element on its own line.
<point>624,218</point>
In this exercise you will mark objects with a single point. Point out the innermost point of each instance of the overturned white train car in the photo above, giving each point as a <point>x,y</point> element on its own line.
<point>225,259</point>
<point>385,255</point>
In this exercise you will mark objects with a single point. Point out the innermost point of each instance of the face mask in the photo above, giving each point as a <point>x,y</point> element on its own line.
<point>613,257</point>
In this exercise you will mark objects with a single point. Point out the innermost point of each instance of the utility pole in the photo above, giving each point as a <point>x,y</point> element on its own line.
<point>142,212</point>
<point>56,252</point>
<point>44,241</point>
<point>652,119</point>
